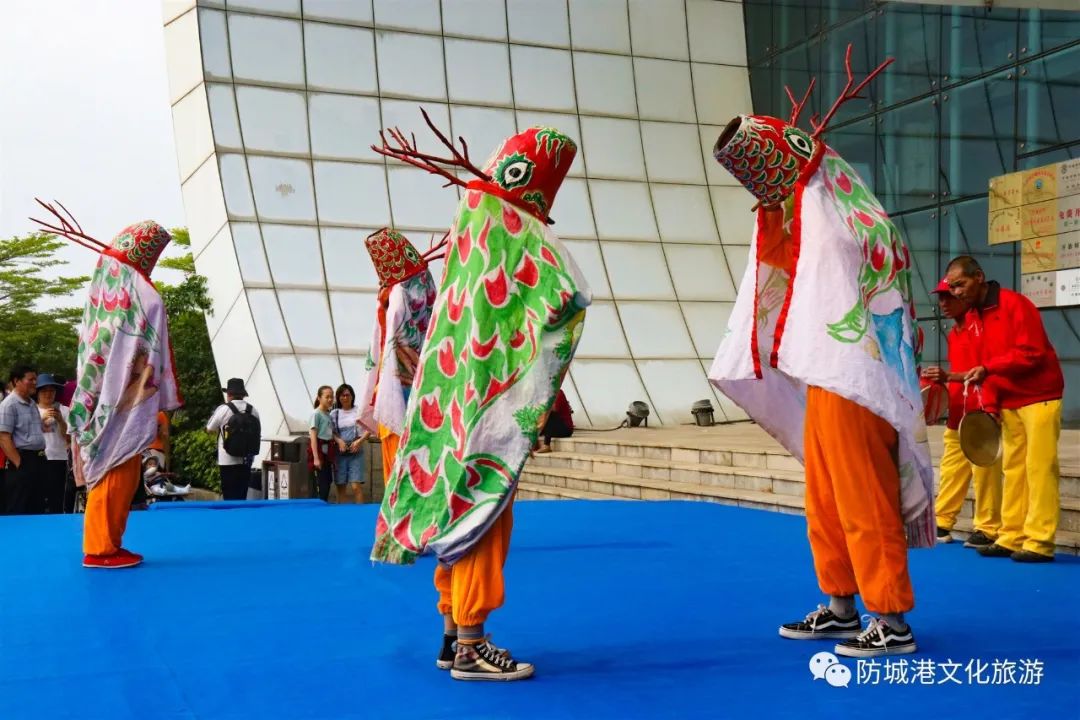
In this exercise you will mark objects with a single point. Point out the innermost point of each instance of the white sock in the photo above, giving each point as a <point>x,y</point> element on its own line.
<point>895,621</point>
<point>842,605</point>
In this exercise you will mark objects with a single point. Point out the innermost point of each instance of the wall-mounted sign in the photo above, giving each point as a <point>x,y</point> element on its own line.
<point>1069,177</point>
<point>1068,287</point>
<point>1038,255</point>
<point>1040,209</point>
<point>1040,288</point>
<point>1004,225</point>
<point>1068,251</point>
<point>1005,191</point>
<point>1040,184</point>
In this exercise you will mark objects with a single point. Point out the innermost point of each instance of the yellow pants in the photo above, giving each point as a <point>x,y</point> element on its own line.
<point>956,474</point>
<point>473,587</point>
<point>1030,508</point>
<point>853,504</point>
<point>107,507</point>
<point>389,443</point>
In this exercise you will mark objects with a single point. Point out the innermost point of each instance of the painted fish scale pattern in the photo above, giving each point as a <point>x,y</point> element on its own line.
<point>505,290</point>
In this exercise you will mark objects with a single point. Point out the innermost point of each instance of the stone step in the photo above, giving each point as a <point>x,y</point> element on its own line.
<point>1069,487</point>
<point>648,489</point>
<point>749,478</point>
<point>771,457</point>
<point>780,494</point>
<point>1068,541</point>
<point>784,482</point>
<point>537,491</point>
<point>600,449</point>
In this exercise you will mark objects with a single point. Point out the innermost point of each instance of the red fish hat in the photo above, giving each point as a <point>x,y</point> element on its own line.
<point>528,169</point>
<point>140,245</point>
<point>394,257</point>
<point>767,155</point>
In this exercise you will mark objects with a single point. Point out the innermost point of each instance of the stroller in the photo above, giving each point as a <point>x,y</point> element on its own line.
<point>158,484</point>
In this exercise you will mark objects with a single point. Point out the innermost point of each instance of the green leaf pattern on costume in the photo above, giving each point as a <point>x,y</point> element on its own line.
<point>505,325</point>
<point>886,261</point>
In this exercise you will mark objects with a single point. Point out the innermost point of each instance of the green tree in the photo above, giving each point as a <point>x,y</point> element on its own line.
<point>187,304</point>
<point>46,339</point>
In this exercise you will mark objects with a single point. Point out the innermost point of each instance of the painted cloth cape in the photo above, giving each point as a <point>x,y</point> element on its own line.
<point>842,321</point>
<point>404,324</point>
<point>504,328</point>
<point>125,372</point>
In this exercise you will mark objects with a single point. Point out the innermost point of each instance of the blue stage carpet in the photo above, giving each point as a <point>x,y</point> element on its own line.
<point>628,610</point>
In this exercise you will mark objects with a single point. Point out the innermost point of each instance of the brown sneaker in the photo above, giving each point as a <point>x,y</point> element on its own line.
<point>484,661</point>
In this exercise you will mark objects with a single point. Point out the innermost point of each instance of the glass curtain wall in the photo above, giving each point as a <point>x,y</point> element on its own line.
<point>973,93</point>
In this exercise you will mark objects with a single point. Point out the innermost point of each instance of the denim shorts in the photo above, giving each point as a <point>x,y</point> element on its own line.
<point>350,468</point>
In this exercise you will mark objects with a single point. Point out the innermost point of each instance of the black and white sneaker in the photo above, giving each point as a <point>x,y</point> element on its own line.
<point>978,539</point>
<point>822,623</point>
<point>944,536</point>
<point>484,661</point>
<point>448,652</point>
<point>879,638</point>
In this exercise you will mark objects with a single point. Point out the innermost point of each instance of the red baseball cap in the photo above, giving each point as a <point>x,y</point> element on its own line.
<point>943,287</point>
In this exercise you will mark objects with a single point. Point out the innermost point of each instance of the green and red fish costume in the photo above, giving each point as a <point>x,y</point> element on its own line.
<point>503,331</point>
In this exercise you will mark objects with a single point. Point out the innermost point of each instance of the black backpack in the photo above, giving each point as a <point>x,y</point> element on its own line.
<point>242,433</point>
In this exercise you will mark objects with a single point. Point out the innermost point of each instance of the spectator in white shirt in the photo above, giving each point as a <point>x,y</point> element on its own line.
<point>238,439</point>
<point>51,492</point>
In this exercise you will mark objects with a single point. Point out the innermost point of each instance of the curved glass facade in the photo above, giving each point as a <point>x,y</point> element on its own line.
<point>275,106</point>
<point>973,93</point>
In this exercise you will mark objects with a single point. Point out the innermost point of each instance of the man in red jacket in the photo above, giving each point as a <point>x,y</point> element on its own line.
<point>1009,347</point>
<point>957,472</point>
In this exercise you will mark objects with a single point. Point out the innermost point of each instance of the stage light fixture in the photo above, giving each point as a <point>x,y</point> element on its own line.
<point>702,411</point>
<point>637,414</point>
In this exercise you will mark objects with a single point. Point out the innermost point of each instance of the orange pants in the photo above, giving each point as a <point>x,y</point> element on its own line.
<point>107,508</point>
<point>389,443</point>
<point>473,587</point>
<point>853,504</point>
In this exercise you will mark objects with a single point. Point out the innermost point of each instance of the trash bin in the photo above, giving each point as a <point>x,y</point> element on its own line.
<point>285,474</point>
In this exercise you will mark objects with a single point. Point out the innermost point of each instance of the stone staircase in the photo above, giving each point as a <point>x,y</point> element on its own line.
<point>743,468</point>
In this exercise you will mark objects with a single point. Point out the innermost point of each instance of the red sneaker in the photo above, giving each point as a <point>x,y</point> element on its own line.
<point>128,554</point>
<point>116,560</point>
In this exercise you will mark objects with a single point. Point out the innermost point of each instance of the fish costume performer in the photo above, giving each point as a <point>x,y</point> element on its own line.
<point>125,376</point>
<point>504,328</point>
<point>406,296</point>
<point>822,351</point>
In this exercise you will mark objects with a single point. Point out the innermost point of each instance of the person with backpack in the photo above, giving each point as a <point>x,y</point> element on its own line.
<point>239,432</point>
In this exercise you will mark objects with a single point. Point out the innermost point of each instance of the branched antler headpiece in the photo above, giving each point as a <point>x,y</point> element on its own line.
<point>846,94</point>
<point>69,227</point>
<point>768,155</point>
<point>404,149</point>
<point>139,245</point>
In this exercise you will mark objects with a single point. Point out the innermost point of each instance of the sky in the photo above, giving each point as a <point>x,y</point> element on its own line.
<point>86,119</point>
